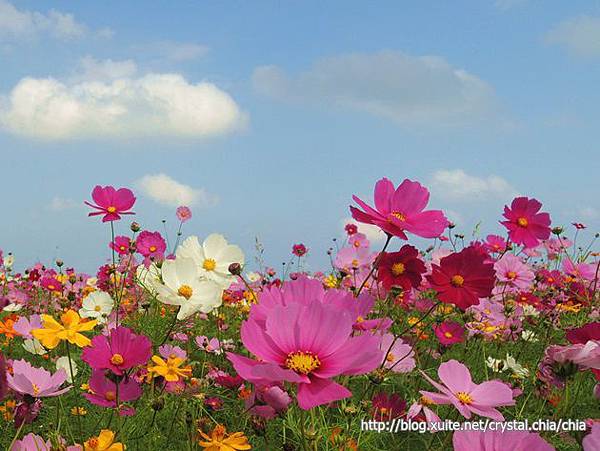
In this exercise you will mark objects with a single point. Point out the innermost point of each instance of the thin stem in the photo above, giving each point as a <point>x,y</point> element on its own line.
<point>375,264</point>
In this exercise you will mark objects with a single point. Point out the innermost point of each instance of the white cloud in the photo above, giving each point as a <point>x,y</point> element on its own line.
<point>457,185</point>
<point>60,204</point>
<point>15,23</point>
<point>373,233</point>
<point>163,189</point>
<point>579,35</point>
<point>107,100</point>
<point>406,89</point>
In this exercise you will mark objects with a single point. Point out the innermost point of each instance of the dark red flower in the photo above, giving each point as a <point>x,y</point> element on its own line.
<point>351,229</point>
<point>299,250</point>
<point>462,278</point>
<point>387,407</point>
<point>401,269</point>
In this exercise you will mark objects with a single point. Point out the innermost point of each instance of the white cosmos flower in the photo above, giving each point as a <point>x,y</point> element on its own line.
<point>13,307</point>
<point>213,257</point>
<point>184,287</point>
<point>529,335</point>
<point>149,277</point>
<point>33,346</point>
<point>494,364</point>
<point>518,370</point>
<point>96,305</point>
<point>63,363</point>
<point>253,276</point>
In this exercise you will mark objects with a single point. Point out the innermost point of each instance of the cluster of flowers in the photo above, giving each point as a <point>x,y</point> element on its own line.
<point>137,335</point>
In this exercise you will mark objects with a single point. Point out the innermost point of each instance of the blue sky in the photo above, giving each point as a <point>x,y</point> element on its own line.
<point>268,116</point>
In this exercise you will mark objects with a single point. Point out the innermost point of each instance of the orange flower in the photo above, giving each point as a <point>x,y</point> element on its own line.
<point>219,440</point>
<point>7,329</point>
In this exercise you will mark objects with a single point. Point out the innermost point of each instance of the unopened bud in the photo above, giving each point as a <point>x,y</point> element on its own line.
<point>235,269</point>
<point>135,227</point>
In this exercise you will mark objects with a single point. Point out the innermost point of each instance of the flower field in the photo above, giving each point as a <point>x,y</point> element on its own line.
<point>201,346</point>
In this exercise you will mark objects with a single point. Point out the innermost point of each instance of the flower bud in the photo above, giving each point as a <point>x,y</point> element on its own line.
<point>235,269</point>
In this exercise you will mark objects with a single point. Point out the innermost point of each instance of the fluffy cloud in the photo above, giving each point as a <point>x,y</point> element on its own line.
<point>17,24</point>
<point>579,35</point>
<point>108,101</point>
<point>163,189</point>
<point>406,89</point>
<point>459,186</point>
<point>373,233</point>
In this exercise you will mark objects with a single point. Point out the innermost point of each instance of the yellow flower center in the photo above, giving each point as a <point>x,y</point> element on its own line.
<point>398,215</point>
<point>522,222</point>
<point>383,410</point>
<point>457,280</point>
<point>448,334</point>
<point>359,319</point>
<point>511,275</point>
<point>355,263</point>
<point>185,291</point>
<point>356,244</point>
<point>117,359</point>
<point>97,308</point>
<point>110,396</point>
<point>152,248</point>
<point>398,269</point>
<point>425,401</point>
<point>93,443</point>
<point>302,362</point>
<point>464,398</point>
<point>111,209</point>
<point>36,389</point>
<point>209,264</point>
<point>390,357</point>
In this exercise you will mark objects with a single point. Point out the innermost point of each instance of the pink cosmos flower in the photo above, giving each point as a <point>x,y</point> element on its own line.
<point>119,352</point>
<point>36,382</point>
<point>449,333</point>
<point>525,225</point>
<point>306,345</point>
<point>591,442</point>
<point>499,441</point>
<point>400,210</point>
<point>151,245</point>
<point>267,401</point>
<point>350,258</point>
<point>32,442</point>
<point>183,213</point>
<point>422,405</point>
<point>511,271</point>
<point>459,390</point>
<point>211,345</point>
<point>585,271</point>
<point>397,355</point>
<point>121,245</point>
<point>104,391</point>
<point>495,243</point>
<point>167,351</point>
<point>359,240</point>
<point>23,326</point>
<point>111,203</point>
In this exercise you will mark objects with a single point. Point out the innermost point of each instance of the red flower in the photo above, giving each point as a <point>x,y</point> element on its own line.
<point>525,225</point>
<point>401,269</point>
<point>111,203</point>
<point>449,333</point>
<point>387,407</point>
<point>351,229</point>
<point>299,250</point>
<point>462,278</point>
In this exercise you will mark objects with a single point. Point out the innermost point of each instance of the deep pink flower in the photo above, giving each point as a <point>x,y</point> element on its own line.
<point>402,269</point>
<point>119,352</point>
<point>400,210</point>
<point>111,203</point>
<point>449,333</point>
<point>268,401</point>
<point>351,229</point>
<point>499,441</point>
<point>585,271</point>
<point>36,382</point>
<point>51,284</point>
<point>104,391</point>
<point>525,225</point>
<point>495,243</point>
<point>184,213</point>
<point>579,225</point>
<point>3,381</point>
<point>121,245</point>
<point>151,245</point>
<point>299,250</point>
<point>306,345</point>
<point>459,390</point>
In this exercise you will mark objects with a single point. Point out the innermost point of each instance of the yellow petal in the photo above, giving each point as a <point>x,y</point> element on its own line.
<point>70,319</point>
<point>80,340</point>
<point>51,323</point>
<point>87,325</point>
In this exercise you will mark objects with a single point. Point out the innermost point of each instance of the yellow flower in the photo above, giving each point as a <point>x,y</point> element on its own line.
<point>170,369</point>
<point>78,411</point>
<point>53,332</point>
<point>104,442</point>
<point>219,440</point>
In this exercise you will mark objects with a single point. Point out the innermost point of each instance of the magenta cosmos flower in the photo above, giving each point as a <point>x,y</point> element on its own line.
<point>400,210</point>
<point>151,245</point>
<point>525,225</point>
<point>499,441</point>
<point>36,382</point>
<point>119,352</point>
<point>104,391</point>
<point>449,333</point>
<point>306,345</point>
<point>183,213</point>
<point>111,202</point>
<point>121,245</point>
<point>459,390</point>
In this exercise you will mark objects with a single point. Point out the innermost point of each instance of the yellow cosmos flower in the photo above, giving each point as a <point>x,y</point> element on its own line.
<point>104,442</point>
<point>54,332</point>
<point>219,440</point>
<point>170,369</point>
